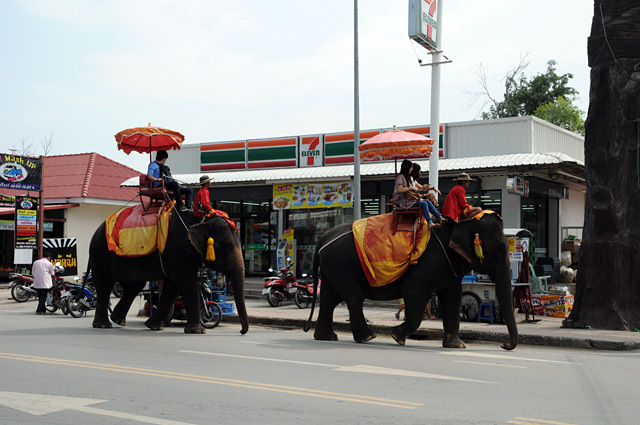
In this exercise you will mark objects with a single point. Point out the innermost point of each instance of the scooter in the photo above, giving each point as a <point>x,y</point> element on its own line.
<point>303,293</point>
<point>20,286</point>
<point>210,311</point>
<point>281,287</point>
<point>80,297</point>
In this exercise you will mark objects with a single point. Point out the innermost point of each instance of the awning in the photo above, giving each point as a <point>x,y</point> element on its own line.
<point>12,210</point>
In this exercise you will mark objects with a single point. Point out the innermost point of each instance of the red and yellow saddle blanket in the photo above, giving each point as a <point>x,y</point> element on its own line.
<point>132,234</point>
<point>385,257</point>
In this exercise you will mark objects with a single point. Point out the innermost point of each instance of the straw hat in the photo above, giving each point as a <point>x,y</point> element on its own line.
<point>204,179</point>
<point>464,177</point>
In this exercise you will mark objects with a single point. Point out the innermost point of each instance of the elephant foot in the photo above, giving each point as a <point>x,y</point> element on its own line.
<point>154,326</point>
<point>453,342</point>
<point>366,338</point>
<point>325,336</point>
<point>119,321</point>
<point>102,325</point>
<point>399,339</point>
<point>195,329</point>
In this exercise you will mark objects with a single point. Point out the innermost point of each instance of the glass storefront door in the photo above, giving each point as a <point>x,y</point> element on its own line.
<point>535,219</point>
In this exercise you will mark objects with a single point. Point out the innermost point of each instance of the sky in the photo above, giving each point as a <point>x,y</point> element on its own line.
<point>77,72</point>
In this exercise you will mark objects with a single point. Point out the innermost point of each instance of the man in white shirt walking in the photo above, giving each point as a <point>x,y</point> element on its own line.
<point>42,271</point>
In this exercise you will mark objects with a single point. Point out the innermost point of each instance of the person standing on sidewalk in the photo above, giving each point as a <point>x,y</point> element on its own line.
<point>42,271</point>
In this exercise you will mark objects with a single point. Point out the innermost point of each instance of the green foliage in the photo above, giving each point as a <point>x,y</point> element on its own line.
<point>524,96</point>
<point>562,113</point>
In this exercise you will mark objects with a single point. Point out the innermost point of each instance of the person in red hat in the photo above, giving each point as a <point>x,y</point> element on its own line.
<point>455,204</point>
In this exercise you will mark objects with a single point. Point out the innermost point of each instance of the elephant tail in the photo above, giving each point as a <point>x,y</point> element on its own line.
<point>316,278</point>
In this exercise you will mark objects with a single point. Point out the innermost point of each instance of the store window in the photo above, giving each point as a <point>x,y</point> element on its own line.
<point>534,219</point>
<point>487,200</point>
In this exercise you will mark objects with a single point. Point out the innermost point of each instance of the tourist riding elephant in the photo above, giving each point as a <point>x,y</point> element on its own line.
<point>448,256</point>
<point>177,267</point>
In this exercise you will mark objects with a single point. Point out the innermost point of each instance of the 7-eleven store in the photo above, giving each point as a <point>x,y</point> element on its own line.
<point>305,183</point>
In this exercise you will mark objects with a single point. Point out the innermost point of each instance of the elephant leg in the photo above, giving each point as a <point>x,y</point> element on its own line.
<point>191,296</point>
<point>130,291</point>
<point>168,295</point>
<point>450,300</point>
<point>103,294</point>
<point>414,311</point>
<point>328,302</point>
<point>359,328</point>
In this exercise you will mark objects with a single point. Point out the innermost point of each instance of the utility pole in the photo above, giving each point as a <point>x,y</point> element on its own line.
<point>357,214</point>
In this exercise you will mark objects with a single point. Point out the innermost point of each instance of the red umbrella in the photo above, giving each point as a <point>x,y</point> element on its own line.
<point>148,139</point>
<point>395,144</point>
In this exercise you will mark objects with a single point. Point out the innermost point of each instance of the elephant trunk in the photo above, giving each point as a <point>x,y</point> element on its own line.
<point>505,299</point>
<point>237,282</point>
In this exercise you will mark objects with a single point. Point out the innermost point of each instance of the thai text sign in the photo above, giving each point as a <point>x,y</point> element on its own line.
<point>313,195</point>
<point>63,251</point>
<point>26,222</point>
<point>20,172</point>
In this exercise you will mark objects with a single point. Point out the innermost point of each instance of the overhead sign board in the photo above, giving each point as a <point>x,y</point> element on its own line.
<point>518,186</point>
<point>20,172</point>
<point>311,151</point>
<point>423,22</point>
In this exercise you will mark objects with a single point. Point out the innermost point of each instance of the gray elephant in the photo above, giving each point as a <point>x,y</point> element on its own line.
<point>449,255</point>
<point>177,267</point>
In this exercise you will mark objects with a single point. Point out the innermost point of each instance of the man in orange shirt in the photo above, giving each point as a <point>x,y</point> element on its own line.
<point>455,204</point>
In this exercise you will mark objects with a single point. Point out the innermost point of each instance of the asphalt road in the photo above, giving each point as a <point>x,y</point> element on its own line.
<point>58,370</point>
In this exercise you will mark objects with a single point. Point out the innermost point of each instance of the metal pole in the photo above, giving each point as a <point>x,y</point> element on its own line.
<point>436,58</point>
<point>357,214</point>
<point>40,210</point>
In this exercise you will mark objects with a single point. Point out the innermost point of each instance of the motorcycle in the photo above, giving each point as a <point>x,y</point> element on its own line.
<point>20,286</point>
<point>303,293</point>
<point>55,298</point>
<point>210,311</point>
<point>80,298</point>
<point>281,287</point>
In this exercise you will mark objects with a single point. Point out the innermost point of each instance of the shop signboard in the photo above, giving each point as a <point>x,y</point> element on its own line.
<point>63,251</point>
<point>7,201</point>
<point>223,156</point>
<point>338,148</point>
<point>517,247</point>
<point>20,172</point>
<point>268,153</point>
<point>26,222</point>
<point>311,151</point>
<point>313,195</point>
<point>426,131</point>
<point>423,22</point>
<point>518,186</point>
<point>10,225</point>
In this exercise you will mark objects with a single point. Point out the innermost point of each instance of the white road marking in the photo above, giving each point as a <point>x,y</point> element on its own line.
<point>263,343</point>
<point>356,368</point>
<point>41,404</point>
<point>501,357</point>
<point>490,364</point>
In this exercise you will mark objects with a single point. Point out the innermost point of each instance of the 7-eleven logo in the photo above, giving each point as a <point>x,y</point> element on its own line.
<point>430,18</point>
<point>311,151</point>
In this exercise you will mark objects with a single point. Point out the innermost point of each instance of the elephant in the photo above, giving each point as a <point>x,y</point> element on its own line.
<point>448,256</point>
<point>177,267</point>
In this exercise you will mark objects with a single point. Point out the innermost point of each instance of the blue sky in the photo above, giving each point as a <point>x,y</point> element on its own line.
<point>216,70</point>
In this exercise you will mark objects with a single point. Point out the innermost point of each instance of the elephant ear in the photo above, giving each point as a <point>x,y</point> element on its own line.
<point>197,238</point>
<point>462,240</point>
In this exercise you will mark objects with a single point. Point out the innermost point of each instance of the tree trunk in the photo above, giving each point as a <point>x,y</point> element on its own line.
<point>608,281</point>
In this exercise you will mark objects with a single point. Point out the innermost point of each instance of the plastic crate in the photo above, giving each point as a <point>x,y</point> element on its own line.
<point>227,308</point>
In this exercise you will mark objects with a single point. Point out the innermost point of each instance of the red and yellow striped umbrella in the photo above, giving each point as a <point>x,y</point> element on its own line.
<point>148,139</point>
<point>396,144</point>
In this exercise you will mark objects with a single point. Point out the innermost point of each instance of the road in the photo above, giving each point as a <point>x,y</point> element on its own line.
<point>58,370</point>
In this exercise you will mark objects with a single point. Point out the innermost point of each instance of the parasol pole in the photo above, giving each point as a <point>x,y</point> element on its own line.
<point>357,214</point>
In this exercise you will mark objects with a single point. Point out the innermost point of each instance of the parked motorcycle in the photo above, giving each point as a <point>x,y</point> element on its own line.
<point>55,298</point>
<point>81,298</point>
<point>303,293</point>
<point>20,287</point>
<point>280,287</point>
<point>210,311</point>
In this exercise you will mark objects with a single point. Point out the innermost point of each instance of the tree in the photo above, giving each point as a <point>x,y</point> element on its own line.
<point>562,113</point>
<point>523,96</point>
<point>608,281</point>
<point>26,146</point>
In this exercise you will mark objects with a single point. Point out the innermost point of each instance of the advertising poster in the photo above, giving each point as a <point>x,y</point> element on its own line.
<point>26,222</point>
<point>63,251</point>
<point>313,195</point>
<point>7,201</point>
<point>20,172</point>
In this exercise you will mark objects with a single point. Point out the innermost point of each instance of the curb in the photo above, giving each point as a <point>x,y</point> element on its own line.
<point>465,335</point>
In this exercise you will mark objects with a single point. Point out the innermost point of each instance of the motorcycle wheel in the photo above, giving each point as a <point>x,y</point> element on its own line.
<point>19,294</point>
<point>117,290</point>
<point>51,308</point>
<point>75,308</point>
<point>301,298</point>
<point>210,316</point>
<point>272,298</point>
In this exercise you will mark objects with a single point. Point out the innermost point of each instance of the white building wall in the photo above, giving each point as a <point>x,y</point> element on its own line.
<point>186,160</point>
<point>572,214</point>
<point>82,222</point>
<point>488,137</point>
<point>550,138</point>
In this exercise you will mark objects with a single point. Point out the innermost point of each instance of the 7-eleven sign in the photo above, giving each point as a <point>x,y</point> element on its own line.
<point>311,151</point>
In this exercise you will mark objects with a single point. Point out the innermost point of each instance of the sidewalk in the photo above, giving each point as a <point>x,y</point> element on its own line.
<point>546,332</point>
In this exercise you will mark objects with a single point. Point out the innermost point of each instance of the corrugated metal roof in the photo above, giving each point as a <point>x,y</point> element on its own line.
<point>337,172</point>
